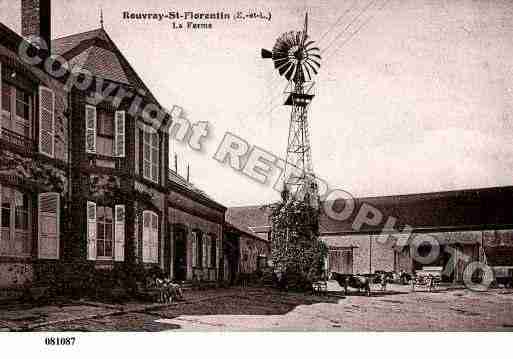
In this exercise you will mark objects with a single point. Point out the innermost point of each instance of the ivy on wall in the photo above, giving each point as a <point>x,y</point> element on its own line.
<point>295,245</point>
<point>43,175</point>
<point>109,188</point>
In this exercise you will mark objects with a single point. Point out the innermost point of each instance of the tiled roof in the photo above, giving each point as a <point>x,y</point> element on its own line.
<point>244,230</point>
<point>107,63</point>
<point>474,208</point>
<point>182,182</point>
<point>64,44</point>
<point>249,217</point>
<point>102,63</point>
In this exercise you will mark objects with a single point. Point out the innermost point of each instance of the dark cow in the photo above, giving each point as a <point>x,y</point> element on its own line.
<point>353,281</point>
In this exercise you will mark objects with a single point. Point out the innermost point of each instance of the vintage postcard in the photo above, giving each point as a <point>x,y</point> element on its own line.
<point>320,165</point>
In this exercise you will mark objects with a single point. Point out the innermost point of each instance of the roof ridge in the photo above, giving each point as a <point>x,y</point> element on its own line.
<point>77,33</point>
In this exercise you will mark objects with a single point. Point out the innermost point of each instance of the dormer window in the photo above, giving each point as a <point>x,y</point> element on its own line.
<point>105,133</point>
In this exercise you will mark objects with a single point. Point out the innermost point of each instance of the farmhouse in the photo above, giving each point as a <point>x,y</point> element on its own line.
<point>84,178</point>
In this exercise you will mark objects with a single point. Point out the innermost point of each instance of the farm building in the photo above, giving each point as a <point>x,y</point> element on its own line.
<point>478,223</point>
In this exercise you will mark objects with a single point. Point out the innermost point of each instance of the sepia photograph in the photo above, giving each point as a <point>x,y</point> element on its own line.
<point>269,166</point>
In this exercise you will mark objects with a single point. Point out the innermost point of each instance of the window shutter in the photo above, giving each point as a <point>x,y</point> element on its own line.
<point>46,121</point>
<point>146,236</point>
<point>91,231</point>
<point>154,238</point>
<point>90,131</point>
<point>194,249</point>
<point>119,134</point>
<point>119,233</point>
<point>48,224</point>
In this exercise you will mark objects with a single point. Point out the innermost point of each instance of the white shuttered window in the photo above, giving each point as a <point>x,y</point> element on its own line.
<point>91,231</point>
<point>90,130</point>
<point>46,121</point>
<point>150,237</point>
<point>119,134</point>
<point>119,233</point>
<point>48,225</point>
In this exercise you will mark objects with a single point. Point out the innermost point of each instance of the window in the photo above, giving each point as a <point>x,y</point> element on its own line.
<point>6,213</point>
<point>104,232</point>
<point>105,134</point>
<point>151,156</point>
<point>21,214</point>
<point>105,124</point>
<point>150,237</point>
<point>6,101</point>
<point>16,121</point>
<point>15,219</point>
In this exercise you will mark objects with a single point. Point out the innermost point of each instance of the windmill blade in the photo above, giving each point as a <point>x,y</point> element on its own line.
<point>280,55</point>
<point>315,55</point>
<point>299,76</point>
<point>291,71</point>
<point>311,67</point>
<point>277,55</point>
<point>309,43</point>
<point>315,62</point>
<point>280,63</point>
<point>285,68</point>
<point>314,49</point>
<point>307,70</point>
<point>283,44</point>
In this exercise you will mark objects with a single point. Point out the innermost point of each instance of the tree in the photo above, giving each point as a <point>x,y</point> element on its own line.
<point>297,252</point>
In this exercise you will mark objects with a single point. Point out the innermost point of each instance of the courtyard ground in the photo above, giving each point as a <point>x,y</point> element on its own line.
<point>397,309</point>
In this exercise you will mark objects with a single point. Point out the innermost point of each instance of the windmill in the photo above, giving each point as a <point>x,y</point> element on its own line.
<point>297,58</point>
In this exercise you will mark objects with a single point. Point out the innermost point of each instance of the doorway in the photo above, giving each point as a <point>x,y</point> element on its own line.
<point>180,255</point>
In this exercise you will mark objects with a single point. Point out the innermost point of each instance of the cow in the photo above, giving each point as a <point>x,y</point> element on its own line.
<point>353,281</point>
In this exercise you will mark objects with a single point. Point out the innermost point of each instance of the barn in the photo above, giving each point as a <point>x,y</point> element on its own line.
<point>467,225</point>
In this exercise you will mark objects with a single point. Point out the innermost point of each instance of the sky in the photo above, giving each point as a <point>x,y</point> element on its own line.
<point>412,95</point>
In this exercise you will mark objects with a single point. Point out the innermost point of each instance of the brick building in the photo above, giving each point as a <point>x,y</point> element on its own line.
<point>84,177</point>
<point>477,222</point>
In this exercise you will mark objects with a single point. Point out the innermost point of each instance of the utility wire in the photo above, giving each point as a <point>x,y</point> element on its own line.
<point>357,30</point>
<point>262,104</point>
<point>348,25</point>
<point>338,21</point>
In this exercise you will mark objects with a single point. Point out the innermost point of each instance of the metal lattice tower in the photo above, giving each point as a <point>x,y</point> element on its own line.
<point>296,59</point>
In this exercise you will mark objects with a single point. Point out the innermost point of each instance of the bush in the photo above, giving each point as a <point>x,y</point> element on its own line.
<point>80,279</point>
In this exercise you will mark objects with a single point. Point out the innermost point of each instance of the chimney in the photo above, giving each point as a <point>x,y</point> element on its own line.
<point>36,19</point>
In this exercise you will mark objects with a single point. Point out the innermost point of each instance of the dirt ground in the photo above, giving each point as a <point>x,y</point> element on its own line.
<point>397,309</point>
